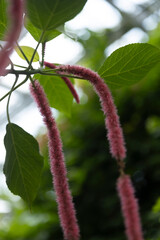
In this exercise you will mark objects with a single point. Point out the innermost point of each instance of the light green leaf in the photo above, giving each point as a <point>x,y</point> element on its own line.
<point>23,164</point>
<point>3,18</point>
<point>49,14</point>
<point>129,64</point>
<point>58,94</point>
<point>28,51</point>
<point>156,207</point>
<point>36,32</point>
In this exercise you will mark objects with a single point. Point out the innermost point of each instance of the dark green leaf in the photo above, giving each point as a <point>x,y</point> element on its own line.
<point>58,94</point>
<point>3,18</point>
<point>49,14</point>
<point>36,32</point>
<point>129,64</point>
<point>28,51</point>
<point>23,164</point>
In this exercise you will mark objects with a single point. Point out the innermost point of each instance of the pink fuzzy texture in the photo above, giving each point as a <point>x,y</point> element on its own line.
<point>64,199</point>
<point>130,209</point>
<point>115,135</point>
<point>16,15</point>
<point>67,81</point>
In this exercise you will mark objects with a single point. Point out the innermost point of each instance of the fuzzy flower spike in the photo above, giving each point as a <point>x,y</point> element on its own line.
<point>16,15</point>
<point>115,135</point>
<point>64,199</point>
<point>130,208</point>
<point>117,147</point>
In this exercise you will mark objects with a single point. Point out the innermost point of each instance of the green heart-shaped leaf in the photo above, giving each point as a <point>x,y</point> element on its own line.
<point>23,164</point>
<point>129,64</point>
<point>36,32</point>
<point>49,14</point>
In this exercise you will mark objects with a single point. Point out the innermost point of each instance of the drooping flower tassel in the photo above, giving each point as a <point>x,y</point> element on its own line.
<point>130,208</point>
<point>64,199</point>
<point>16,15</point>
<point>66,80</point>
<point>117,148</point>
<point>115,135</point>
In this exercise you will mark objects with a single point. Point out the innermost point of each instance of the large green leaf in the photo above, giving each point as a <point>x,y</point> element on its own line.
<point>3,18</point>
<point>129,64</point>
<point>23,164</point>
<point>28,51</point>
<point>49,14</point>
<point>58,94</point>
<point>36,32</point>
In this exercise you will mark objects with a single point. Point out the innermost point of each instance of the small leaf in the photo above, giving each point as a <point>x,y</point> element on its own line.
<point>28,51</point>
<point>129,64</point>
<point>36,32</point>
<point>156,207</point>
<point>3,18</point>
<point>49,14</point>
<point>58,94</point>
<point>23,164</point>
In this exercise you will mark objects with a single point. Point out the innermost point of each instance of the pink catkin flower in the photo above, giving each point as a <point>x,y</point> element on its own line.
<point>115,135</point>
<point>64,199</point>
<point>16,15</point>
<point>130,209</point>
<point>66,80</point>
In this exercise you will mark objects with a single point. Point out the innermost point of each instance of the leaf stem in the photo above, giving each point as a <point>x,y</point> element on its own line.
<point>8,117</point>
<point>19,66</point>
<point>35,50</point>
<point>24,55</point>
<point>40,71</point>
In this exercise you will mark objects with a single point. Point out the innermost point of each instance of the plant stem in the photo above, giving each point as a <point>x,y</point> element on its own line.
<point>32,81</point>
<point>25,80</point>
<point>43,72</point>
<point>8,117</point>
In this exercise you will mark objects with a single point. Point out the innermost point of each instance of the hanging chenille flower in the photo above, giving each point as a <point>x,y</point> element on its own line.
<point>130,208</point>
<point>115,135</point>
<point>16,15</point>
<point>64,199</point>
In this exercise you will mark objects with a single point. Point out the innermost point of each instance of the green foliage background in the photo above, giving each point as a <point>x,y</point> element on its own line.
<point>91,170</point>
<point>93,173</point>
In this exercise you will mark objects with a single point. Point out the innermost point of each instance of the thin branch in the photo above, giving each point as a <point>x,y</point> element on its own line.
<point>20,84</point>
<point>43,72</point>
<point>8,117</point>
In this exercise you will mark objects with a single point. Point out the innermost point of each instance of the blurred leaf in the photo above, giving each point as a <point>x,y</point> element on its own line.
<point>129,64</point>
<point>23,164</point>
<point>28,51</point>
<point>58,94</point>
<point>36,32</point>
<point>156,207</point>
<point>3,18</point>
<point>49,14</point>
<point>153,125</point>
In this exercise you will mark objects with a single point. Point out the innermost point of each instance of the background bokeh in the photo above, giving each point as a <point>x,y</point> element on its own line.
<point>92,172</point>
